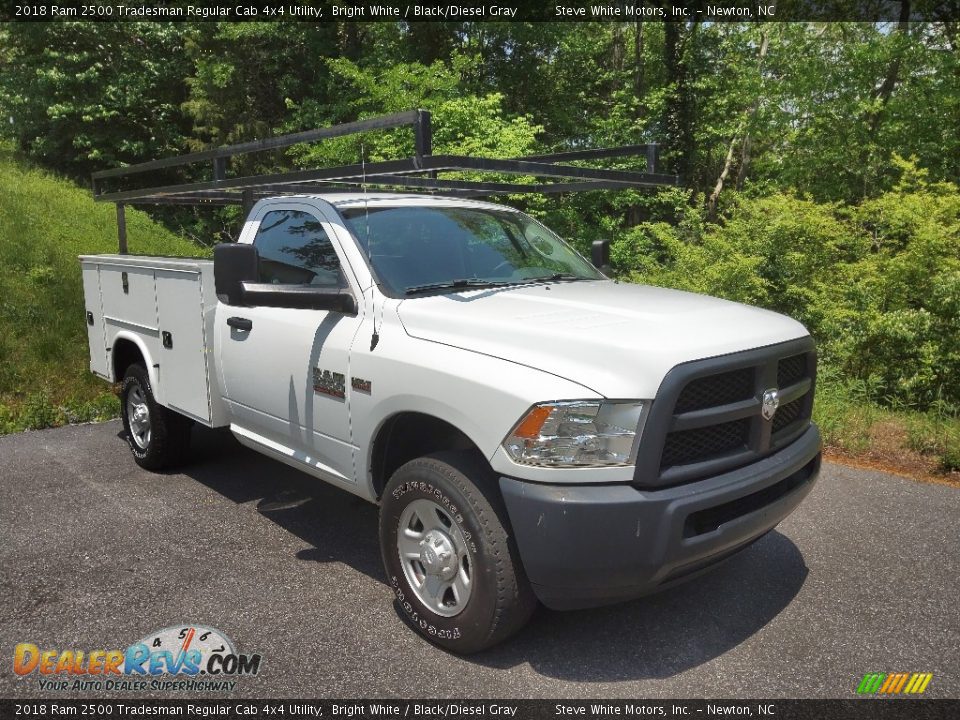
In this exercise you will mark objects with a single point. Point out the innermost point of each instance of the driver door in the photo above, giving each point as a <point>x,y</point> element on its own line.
<point>285,369</point>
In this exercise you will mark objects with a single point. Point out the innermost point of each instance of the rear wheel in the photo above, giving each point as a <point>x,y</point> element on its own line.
<point>449,554</point>
<point>158,437</point>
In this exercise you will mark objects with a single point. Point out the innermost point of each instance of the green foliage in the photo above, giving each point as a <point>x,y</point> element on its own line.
<point>39,411</point>
<point>844,413</point>
<point>852,423</point>
<point>817,108</point>
<point>45,223</point>
<point>464,124</point>
<point>849,96</point>
<point>80,98</point>
<point>938,436</point>
<point>244,75</point>
<point>878,285</point>
<point>892,317</point>
<point>817,214</point>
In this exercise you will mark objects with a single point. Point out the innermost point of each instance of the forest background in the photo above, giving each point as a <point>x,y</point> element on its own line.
<point>820,165</point>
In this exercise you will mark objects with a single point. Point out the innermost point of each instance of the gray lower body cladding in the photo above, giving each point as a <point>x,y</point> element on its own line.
<point>589,545</point>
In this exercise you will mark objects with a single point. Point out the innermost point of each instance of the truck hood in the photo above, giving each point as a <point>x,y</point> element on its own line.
<point>616,339</point>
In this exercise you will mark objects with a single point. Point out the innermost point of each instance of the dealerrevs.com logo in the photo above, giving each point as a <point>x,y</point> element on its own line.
<point>184,657</point>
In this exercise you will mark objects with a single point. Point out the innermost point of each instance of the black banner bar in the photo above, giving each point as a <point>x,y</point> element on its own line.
<point>873,708</point>
<point>473,11</point>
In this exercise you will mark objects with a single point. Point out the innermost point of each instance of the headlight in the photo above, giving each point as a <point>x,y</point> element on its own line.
<point>578,433</point>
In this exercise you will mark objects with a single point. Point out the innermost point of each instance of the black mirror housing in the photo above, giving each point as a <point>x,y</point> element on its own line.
<point>233,265</point>
<point>600,255</point>
<point>236,274</point>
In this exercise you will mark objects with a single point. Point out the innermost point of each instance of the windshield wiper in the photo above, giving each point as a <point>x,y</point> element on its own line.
<point>556,276</point>
<point>453,284</point>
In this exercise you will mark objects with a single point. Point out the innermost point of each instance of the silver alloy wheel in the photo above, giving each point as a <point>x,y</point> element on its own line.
<point>138,417</point>
<point>434,557</point>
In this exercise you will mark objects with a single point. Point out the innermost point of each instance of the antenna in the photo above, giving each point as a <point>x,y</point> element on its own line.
<point>375,337</point>
<point>366,202</point>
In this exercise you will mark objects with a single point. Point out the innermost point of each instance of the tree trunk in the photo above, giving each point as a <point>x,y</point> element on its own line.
<point>616,49</point>
<point>744,161</point>
<point>639,89</point>
<point>639,81</point>
<point>743,129</point>
<point>873,117</point>
<point>351,44</point>
<point>679,111</point>
<point>715,195</point>
<point>745,148</point>
<point>885,91</point>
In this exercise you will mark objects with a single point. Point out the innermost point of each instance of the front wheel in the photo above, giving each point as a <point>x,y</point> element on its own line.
<point>158,437</point>
<point>449,554</point>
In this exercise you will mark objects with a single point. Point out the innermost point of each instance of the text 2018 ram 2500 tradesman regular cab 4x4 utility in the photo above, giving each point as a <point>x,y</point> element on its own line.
<point>530,429</point>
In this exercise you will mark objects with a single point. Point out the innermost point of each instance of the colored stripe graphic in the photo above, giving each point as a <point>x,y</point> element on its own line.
<point>897,684</point>
<point>894,683</point>
<point>889,682</point>
<point>871,683</point>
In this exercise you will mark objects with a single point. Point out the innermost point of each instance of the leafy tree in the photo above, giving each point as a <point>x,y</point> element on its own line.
<point>878,284</point>
<point>465,124</point>
<point>81,97</point>
<point>244,76</point>
<point>789,138</point>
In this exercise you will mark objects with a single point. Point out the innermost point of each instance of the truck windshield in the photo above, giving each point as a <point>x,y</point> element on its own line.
<point>448,248</point>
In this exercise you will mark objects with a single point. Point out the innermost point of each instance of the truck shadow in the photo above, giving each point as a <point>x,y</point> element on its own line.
<point>665,634</point>
<point>654,637</point>
<point>339,526</point>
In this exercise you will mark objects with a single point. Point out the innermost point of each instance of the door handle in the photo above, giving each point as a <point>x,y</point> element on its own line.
<point>240,323</point>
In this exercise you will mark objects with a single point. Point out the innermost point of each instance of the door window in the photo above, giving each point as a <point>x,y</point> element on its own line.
<point>296,250</point>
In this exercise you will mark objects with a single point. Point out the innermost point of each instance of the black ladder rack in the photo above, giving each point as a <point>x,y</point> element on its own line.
<point>421,172</point>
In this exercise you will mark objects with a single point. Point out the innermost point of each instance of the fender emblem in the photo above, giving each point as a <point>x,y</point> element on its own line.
<point>769,403</point>
<point>329,383</point>
<point>361,385</point>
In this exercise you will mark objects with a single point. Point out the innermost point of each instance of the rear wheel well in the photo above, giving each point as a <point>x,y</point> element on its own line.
<point>410,435</point>
<point>124,354</point>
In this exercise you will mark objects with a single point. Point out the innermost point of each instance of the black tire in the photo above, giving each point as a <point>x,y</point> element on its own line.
<point>167,438</point>
<point>500,600</point>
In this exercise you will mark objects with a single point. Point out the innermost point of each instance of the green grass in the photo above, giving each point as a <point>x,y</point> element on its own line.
<point>45,223</point>
<point>916,442</point>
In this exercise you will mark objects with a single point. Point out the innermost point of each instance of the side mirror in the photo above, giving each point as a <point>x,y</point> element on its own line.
<point>600,255</point>
<point>236,274</point>
<point>233,265</point>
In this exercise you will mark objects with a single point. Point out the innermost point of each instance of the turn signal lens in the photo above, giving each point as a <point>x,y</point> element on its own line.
<point>531,425</point>
<point>578,433</point>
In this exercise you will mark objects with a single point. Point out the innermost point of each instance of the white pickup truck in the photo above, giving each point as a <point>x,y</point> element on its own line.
<point>530,429</point>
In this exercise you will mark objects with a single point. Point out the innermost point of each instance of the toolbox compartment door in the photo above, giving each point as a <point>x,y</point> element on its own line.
<point>93,318</point>
<point>182,353</point>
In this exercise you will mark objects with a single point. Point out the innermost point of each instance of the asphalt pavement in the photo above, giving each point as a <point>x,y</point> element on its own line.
<point>96,553</point>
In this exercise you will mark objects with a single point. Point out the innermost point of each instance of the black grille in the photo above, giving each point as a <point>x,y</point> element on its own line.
<point>788,414</point>
<point>791,370</point>
<point>689,446</point>
<point>716,390</point>
<point>699,425</point>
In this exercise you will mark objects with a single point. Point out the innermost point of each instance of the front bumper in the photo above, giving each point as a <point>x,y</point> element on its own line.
<point>588,545</point>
